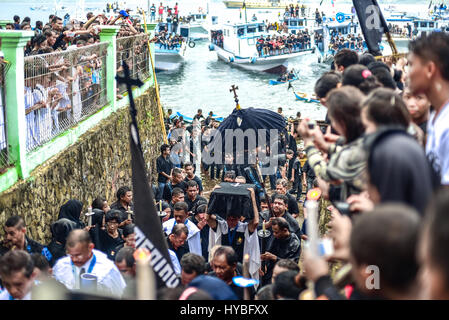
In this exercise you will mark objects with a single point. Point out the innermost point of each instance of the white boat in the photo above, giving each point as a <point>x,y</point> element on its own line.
<point>199,26</point>
<point>327,31</point>
<point>169,59</point>
<point>238,48</point>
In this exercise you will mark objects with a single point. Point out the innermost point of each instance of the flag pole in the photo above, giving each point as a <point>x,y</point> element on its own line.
<point>156,86</point>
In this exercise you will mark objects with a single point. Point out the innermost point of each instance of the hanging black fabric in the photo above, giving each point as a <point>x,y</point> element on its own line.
<point>372,23</point>
<point>148,229</point>
<point>232,199</point>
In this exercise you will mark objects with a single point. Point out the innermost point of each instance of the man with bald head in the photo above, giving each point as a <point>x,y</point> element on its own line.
<point>83,258</point>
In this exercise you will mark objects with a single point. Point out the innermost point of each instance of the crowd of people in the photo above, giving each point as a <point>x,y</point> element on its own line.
<point>293,11</point>
<point>64,82</point>
<point>282,44</point>
<point>381,168</point>
<point>338,42</point>
<point>167,40</point>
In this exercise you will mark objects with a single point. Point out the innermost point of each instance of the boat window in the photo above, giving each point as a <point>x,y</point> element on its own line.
<point>260,28</point>
<point>240,31</point>
<point>198,16</point>
<point>423,24</point>
<point>432,25</point>
<point>301,23</point>
<point>204,16</point>
<point>416,24</point>
<point>293,23</point>
<point>251,30</point>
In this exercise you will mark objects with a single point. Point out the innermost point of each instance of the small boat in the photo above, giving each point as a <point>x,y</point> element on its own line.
<point>275,82</point>
<point>301,96</point>
<point>190,119</point>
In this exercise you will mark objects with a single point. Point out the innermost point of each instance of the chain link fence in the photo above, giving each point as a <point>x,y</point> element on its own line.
<point>134,51</point>
<point>5,160</point>
<point>61,89</point>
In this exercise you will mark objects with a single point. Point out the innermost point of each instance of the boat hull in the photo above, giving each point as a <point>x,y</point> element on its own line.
<point>302,97</point>
<point>270,64</point>
<point>168,60</point>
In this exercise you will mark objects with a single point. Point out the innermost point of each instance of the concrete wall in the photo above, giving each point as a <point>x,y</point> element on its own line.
<point>97,164</point>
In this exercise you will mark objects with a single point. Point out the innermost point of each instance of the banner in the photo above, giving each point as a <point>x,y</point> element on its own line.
<point>149,232</point>
<point>372,23</point>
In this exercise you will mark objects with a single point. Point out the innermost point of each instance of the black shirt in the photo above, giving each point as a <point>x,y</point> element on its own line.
<point>163,165</point>
<point>292,204</point>
<point>298,170</point>
<point>289,248</point>
<point>197,180</point>
<point>191,204</point>
<point>236,240</point>
<point>182,250</point>
<point>310,174</point>
<point>169,188</point>
<point>109,244</point>
<point>123,211</point>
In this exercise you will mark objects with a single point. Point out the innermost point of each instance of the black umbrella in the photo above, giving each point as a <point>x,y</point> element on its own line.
<point>252,119</point>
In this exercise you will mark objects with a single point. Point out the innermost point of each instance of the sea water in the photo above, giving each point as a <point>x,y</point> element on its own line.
<point>203,81</point>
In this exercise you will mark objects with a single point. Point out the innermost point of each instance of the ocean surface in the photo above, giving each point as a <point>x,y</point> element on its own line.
<point>204,81</point>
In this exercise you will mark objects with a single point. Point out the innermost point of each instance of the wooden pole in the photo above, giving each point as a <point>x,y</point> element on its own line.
<point>158,98</point>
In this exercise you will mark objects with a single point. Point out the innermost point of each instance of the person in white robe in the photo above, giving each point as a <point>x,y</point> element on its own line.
<point>193,238</point>
<point>83,258</point>
<point>220,227</point>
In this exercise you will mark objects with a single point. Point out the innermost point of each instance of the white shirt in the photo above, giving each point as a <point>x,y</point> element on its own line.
<point>437,147</point>
<point>193,238</point>
<point>110,281</point>
<point>4,295</point>
<point>251,245</point>
<point>175,262</point>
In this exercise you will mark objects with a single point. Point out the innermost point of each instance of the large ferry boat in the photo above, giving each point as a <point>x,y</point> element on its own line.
<point>236,44</point>
<point>260,4</point>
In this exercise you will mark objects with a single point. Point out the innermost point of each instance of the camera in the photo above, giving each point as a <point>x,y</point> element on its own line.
<point>343,207</point>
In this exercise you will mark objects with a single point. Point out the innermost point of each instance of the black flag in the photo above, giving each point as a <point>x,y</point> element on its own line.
<point>372,23</point>
<point>149,232</point>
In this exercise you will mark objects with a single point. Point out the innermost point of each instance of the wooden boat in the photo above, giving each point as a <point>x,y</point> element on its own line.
<point>190,119</point>
<point>275,82</point>
<point>301,96</point>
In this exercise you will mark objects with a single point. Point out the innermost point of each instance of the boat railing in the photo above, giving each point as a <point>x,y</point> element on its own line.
<point>61,89</point>
<point>5,160</point>
<point>134,51</point>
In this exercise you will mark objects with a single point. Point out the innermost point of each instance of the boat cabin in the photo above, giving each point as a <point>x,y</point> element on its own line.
<point>335,29</point>
<point>198,17</point>
<point>296,24</point>
<point>421,27</point>
<point>240,38</point>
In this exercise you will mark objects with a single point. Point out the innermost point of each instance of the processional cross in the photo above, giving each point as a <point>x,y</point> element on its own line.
<point>234,88</point>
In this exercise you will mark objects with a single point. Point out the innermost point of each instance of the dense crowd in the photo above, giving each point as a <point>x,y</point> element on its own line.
<point>338,42</point>
<point>381,167</point>
<point>275,45</point>
<point>65,74</point>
